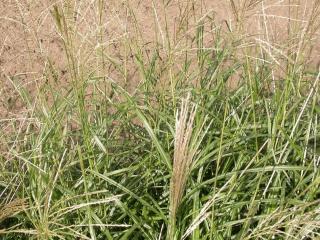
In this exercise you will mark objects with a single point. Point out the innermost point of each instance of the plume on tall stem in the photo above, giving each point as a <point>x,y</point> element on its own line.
<point>186,144</point>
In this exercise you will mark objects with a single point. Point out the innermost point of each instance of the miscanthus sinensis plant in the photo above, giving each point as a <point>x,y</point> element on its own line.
<point>218,142</point>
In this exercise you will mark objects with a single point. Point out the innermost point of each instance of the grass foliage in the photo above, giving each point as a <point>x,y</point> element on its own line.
<point>184,155</point>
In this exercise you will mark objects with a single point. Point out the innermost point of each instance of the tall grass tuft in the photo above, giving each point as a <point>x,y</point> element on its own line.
<point>117,153</point>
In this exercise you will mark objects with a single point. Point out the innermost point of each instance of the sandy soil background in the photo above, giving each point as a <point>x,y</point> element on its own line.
<point>30,43</point>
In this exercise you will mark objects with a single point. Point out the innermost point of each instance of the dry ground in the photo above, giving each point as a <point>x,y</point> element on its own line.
<point>30,45</point>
